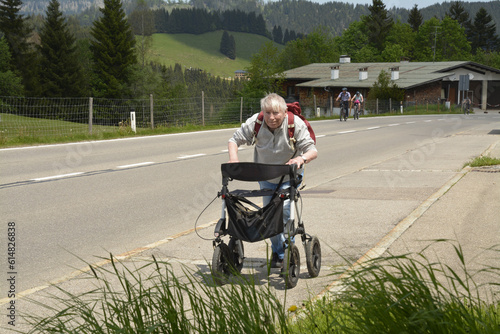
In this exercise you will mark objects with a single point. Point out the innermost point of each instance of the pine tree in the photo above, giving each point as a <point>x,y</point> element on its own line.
<point>10,82</point>
<point>278,35</point>
<point>415,18</point>
<point>224,43</point>
<point>378,24</point>
<point>232,48</point>
<point>458,13</point>
<point>62,73</point>
<point>113,51</point>
<point>484,32</point>
<point>17,32</point>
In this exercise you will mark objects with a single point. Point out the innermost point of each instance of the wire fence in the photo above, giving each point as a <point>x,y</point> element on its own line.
<point>328,107</point>
<point>39,117</point>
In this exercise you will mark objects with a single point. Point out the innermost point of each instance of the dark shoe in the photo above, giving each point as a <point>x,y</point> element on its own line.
<point>276,262</point>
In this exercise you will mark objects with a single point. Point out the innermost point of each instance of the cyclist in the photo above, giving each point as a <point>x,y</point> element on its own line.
<point>466,105</point>
<point>357,99</point>
<point>345,96</point>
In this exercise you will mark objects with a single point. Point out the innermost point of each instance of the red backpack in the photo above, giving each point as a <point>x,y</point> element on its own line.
<point>292,109</point>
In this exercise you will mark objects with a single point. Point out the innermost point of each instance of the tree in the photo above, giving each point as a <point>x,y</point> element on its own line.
<point>383,89</point>
<point>378,24</point>
<point>263,72</point>
<point>400,43</point>
<point>415,18</point>
<point>17,32</point>
<point>441,41</point>
<point>10,82</point>
<point>457,12</point>
<point>483,34</point>
<point>232,48</point>
<point>112,51</point>
<point>142,21</point>
<point>62,74</point>
<point>316,47</point>
<point>278,35</point>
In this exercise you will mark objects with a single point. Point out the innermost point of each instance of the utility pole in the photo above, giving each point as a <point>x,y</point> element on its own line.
<point>435,40</point>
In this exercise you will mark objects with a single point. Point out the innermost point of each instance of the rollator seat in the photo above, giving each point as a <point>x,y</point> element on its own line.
<point>251,171</point>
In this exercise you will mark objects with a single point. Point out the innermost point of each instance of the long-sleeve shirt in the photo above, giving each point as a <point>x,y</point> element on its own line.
<point>274,148</point>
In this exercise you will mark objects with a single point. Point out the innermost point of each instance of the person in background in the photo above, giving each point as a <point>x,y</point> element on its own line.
<point>344,98</point>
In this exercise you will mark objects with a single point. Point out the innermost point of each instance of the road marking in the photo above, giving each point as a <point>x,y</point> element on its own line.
<point>429,120</point>
<point>410,122</point>
<point>348,131</point>
<point>101,263</point>
<point>136,165</point>
<point>56,176</point>
<point>372,128</point>
<point>393,124</point>
<point>191,156</point>
<point>319,136</point>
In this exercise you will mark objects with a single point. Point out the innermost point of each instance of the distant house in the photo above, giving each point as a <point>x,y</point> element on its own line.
<point>240,74</point>
<point>433,82</point>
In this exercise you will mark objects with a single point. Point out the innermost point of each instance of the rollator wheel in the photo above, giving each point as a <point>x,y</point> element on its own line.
<point>313,256</point>
<point>291,266</point>
<point>221,266</point>
<point>236,257</point>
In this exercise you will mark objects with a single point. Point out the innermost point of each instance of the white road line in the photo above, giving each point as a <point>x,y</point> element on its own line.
<point>429,120</point>
<point>410,122</point>
<point>191,156</point>
<point>319,136</point>
<point>56,176</point>
<point>372,128</point>
<point>393,124</point>
<point>136,165</point>
<point>349,131</point>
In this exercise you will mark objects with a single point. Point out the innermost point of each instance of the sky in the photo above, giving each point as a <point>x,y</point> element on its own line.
<point>408,4</point>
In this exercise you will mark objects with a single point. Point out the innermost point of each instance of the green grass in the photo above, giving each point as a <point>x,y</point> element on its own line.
<point>202,51</point>
<point>409,293</point>
<point>19,131</point>
<point>483,161</point>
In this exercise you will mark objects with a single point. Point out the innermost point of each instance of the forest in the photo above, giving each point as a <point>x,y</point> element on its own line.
<point>105,55</point>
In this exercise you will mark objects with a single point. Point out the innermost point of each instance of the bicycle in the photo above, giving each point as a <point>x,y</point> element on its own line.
<point>466,108</point>
<point>343,110</point>
<point>356,109</point>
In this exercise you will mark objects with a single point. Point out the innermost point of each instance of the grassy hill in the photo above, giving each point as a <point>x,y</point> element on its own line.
<point>202,51</point>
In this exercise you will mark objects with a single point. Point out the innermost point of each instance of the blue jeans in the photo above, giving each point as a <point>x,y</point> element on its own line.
<point>277,241</point>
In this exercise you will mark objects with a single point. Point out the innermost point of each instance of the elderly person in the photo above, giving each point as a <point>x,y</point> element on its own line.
<point>273,146</point>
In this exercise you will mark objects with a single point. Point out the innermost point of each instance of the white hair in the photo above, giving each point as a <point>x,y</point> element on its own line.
<point>273,102</point>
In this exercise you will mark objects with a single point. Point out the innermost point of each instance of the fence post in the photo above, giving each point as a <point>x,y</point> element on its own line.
<point>151,109</point>
<point>331,105</point>
<point>203,108</point>
<point>91,112</point>
<point>377,106</point>
<point>241,110</point>
<point>390,105</point>
<point>314,98</point>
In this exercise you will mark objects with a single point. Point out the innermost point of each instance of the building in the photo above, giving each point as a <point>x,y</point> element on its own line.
<point>240,74</point>
<point>432,82</point>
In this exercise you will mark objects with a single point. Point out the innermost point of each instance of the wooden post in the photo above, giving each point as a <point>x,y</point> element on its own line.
<point>151,111</point>
<point>91,113</point>
<point>241,110</point>
<point>203,108</point>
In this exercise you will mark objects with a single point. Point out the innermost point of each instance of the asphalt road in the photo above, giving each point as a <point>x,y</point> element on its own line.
<point>82,201</point>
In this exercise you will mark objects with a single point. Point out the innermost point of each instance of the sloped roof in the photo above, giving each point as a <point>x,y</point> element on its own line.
<point>411,74</point>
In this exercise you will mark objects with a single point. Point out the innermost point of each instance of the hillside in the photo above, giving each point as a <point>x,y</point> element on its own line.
<point>202,51</point>
<point>301,16</point>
